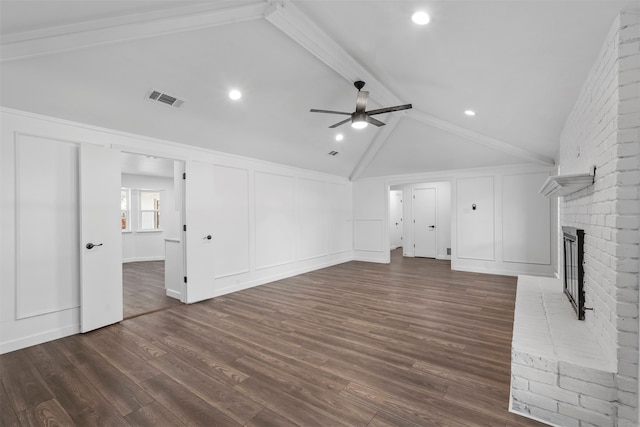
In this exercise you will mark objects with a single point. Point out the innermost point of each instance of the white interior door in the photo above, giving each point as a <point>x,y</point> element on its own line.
<point>395,219</point>
<point>100,238</point>
<point>424,227</point>
<point>200,250</point>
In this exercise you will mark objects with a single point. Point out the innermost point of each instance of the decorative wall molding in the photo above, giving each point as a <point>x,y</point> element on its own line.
<point>131,27</point>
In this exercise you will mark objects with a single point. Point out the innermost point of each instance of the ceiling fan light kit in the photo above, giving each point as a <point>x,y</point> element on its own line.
<point>361,118</point>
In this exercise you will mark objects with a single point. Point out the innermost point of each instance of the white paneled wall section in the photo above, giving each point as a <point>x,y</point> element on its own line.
<point>269,221</point>
<point>477,238</point>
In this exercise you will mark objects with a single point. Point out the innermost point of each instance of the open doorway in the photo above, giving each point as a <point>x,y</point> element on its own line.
<point>151,217</point>
<point>425,220</point>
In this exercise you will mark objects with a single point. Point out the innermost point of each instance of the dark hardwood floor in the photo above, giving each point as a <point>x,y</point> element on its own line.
<point>143,288</point>
<point>407,344</point>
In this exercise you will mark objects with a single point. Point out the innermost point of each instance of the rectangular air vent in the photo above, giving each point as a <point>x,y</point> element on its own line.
<point>333,153</point>
<point>155,95</point>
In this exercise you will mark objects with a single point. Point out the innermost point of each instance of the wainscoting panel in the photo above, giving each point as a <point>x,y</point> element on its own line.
<point>275,219</point>
<point>47,241</point>
<point>311,204</point>
<point>340,230</point>
<point>230,217</point>
<point>526,220</point>
<point>368,235</point>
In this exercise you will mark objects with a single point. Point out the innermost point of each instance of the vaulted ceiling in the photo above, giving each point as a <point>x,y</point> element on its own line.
<point>518,64</point>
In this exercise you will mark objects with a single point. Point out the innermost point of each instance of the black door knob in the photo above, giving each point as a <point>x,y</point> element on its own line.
<point>208,237</point>
<point>432,226</point>
<point>91,245</point>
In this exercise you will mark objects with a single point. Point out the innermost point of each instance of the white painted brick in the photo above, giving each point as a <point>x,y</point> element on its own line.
<point>587,388</point>
<point>520,407</point>
<point>587,415</point>
<point>532,361</point>
<point>627,309</point>
<point>605,379</point>
<point>533,374</point>
<point>630,33</point>
<point>629,324</point>
<point>628,369</point>
<point>627,413</point>
<point>629,91</point>
<point>605,125</point>
<point>629,17</point>
<point>554,418</point>
<point>628,207</point>
<point>554,392</point>
<point>519,383</point>
<point>629,62</point>
<point>532,399</point>
<point>597,405</point>
<point>629,135</point>
<point>627,398</point>
<point>627,384</point>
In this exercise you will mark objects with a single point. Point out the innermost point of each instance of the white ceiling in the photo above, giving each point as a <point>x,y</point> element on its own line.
<point>519,64</point>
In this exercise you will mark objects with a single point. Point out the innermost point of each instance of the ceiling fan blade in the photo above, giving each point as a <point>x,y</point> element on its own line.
<point>340,123</point>
<point>361,102</point>
<point>389,109</point>
<point>375,122</point>
<point>313,110</point>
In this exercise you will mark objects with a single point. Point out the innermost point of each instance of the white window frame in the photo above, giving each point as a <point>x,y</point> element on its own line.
<point>126,211</point>
<point>156,211</point>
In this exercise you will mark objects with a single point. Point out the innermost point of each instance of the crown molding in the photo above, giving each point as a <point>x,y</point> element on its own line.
<point>131,27</point>
<point>487,141</point>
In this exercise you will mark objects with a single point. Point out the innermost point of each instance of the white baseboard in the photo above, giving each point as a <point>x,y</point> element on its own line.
<point>140,259</point>
<point>174,294</point>
<point>40,338</point>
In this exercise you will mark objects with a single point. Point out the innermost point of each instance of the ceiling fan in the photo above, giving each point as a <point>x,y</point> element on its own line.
<point>360,118</point>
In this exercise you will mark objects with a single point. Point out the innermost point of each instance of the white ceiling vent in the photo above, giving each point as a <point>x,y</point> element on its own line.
<point>156,95</point>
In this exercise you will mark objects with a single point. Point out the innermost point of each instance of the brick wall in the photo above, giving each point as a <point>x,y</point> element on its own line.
<point>604,130</point>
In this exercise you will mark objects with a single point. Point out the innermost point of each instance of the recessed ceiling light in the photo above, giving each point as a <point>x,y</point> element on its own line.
<point>339,137</point>
<point>235,94</point>
<point>470,113</point>
<point>420,18</point>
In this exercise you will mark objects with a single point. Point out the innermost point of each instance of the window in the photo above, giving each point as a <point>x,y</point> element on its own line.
<point>149,210</point>
<point>125,209</point>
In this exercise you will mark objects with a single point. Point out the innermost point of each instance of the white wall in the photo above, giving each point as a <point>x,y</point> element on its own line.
<point>277,221</point>
<point>510,230</point>
<point>505,198</point>
<point>149,245</point>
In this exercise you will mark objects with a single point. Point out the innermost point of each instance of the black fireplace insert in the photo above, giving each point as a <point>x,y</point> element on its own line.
<point>574,268</point>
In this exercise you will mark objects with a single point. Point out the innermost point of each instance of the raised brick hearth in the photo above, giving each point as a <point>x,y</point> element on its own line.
<point>559,372</point>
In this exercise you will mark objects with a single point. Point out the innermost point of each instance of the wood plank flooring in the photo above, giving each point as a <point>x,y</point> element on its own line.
<point>407,344</point>
<point>143,288</point>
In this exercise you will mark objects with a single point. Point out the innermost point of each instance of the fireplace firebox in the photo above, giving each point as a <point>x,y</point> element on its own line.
<point>574,268</point>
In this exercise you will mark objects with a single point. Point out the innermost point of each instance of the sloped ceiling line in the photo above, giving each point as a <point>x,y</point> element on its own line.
<point>480,139</point>
<point>379,140</point>
<point>295,24</point>
<point>79,36</point>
